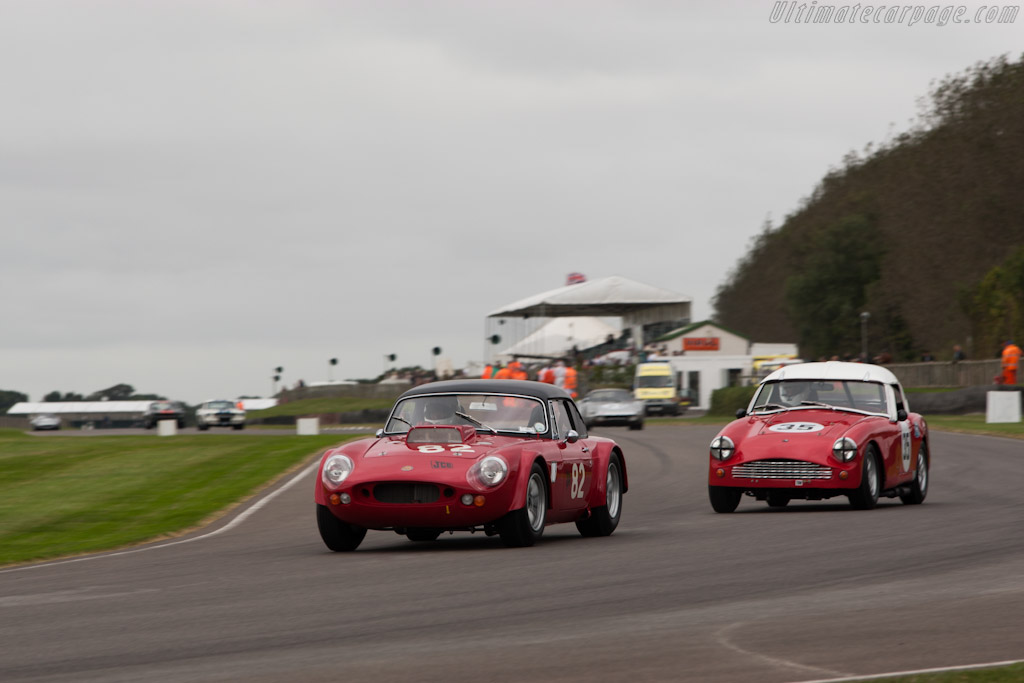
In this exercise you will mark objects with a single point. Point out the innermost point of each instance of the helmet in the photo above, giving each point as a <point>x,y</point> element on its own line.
<point>794,392</point>
<point>440,410</point>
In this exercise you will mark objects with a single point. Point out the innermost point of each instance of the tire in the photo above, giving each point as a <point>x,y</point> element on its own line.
<point>919,489</point>
<point>202,427</point>
<point>181,424</point>
<point>866,495</point>
<point>637,425</point>
<point>423,535</point>
<point>603,520</point>
<point>337,535</point>
<point>777,500</point>
<point>724,499</point>
<point>524,527</point>
<point>238,427</point>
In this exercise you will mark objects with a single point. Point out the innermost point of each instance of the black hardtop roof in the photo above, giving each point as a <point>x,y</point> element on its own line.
<point>520,387</point>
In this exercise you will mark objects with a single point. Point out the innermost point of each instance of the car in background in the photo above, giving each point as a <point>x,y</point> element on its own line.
<point>164,410</point>
<point>44,422</point>
<point>818,430</point>
<point>505,457</point>
<point>220,413</point>
<point>655,384</point>
<point>612,407</point>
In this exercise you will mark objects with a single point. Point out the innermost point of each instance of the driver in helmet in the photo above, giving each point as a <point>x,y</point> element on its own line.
<point>440,410</point>
<point>792,393</point>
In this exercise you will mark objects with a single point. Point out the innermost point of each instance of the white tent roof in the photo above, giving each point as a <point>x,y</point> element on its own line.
<point>609,296</point>
<point>557,337</point>
<point>56,407</point>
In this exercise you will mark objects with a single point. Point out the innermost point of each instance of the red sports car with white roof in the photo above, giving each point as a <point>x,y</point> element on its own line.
<point>819,430</point>
<point>505,457</point>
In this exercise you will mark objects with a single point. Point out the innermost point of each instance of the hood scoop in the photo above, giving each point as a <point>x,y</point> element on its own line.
<point>441,434</point>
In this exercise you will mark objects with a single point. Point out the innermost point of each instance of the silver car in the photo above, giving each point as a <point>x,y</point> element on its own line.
<point>612,407</point>
<point>45,421</point>
<point>220,413</point>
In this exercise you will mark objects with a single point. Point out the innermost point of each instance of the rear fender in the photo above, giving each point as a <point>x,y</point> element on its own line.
<point>599,492</point>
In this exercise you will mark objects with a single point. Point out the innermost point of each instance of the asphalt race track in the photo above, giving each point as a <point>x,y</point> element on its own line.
<point>678,593</point>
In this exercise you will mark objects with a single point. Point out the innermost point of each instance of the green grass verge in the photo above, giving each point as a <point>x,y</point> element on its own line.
<point>1014,673</point>
<point>975,424</point>
<point>62,496</point>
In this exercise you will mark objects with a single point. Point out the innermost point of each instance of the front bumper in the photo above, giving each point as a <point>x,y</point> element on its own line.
<point>389,505</point>
<point>792,476</point>
<point>661,406</point>
<point>616,419</point>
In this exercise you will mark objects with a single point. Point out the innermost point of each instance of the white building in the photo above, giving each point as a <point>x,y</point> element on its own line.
<point>706,356</point>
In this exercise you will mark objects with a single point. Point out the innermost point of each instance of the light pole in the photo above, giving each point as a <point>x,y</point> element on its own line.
<point>276,378</point>
<point>864,336</point>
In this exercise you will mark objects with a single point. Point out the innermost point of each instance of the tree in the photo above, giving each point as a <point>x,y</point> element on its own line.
<point>9,398</point>
<point>827,292</point>
<point>996,304</point>
<point>118,392</point>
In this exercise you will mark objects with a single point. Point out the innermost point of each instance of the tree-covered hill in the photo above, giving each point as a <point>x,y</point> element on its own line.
<point>920,231</point>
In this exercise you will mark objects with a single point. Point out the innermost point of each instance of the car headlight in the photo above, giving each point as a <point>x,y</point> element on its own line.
<point>722,448</point>
<point>844,449</point>
<point>336,470</point>
<point>488,472</point>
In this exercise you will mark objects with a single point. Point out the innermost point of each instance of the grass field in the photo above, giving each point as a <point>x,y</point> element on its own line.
<point>63,496</point>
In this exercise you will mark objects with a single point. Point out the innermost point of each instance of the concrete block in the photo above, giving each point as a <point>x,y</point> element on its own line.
<point>307,426</point>
<point>166,427</point>
<point>1003,406</point>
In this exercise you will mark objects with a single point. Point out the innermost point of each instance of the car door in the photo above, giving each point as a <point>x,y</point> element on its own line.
<point>572,472</point>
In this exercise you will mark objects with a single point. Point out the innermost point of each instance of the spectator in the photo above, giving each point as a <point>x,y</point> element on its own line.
<point>927,357</point>
<point>958,354</point>
<point>1011,360</point>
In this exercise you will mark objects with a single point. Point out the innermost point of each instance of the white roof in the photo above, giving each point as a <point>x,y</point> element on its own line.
<point>608,296</point>
<point>834,370</point>
<point>557,337</point>
<point>258,403</point>
<point>55,407</point>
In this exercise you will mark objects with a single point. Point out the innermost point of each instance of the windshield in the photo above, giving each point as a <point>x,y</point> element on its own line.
<point>220,405</point>
<point>486,412</point>
<point>654,381</point>
<point>867,397</point>
<point>610,396</point>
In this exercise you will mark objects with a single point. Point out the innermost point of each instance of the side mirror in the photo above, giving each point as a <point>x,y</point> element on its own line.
<point>901,415</point>
<point>379,433</point>
<point>742,412</point>
<point>572,437</point>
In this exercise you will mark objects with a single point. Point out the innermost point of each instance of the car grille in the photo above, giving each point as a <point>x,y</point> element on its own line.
<point>404,493</point>
<point>781,469</point>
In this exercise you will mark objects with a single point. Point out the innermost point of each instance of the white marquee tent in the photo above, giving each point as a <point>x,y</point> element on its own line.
<point>636,303</point>
<point>560,335</point>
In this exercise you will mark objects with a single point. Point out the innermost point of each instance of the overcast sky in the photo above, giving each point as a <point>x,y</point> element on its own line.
<point>193,193</point>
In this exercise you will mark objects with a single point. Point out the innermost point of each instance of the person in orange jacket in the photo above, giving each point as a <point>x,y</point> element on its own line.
<point>546,375</point>
<point>1011,361</point>
<point>489,370</point>
<point>517,371</point>
<point>570,380</point>
<point>505,372</point>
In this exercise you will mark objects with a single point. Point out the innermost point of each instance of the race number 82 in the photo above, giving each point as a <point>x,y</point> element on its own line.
<point>579,476</point>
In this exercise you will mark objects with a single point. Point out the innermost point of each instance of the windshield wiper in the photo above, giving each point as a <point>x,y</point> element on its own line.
<point>769,406</point>
<point>401,419</point>
<point>477,422</point>
<point>817,403</point>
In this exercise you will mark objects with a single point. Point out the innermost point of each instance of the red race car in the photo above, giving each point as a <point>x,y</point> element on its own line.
<point>818,430</point>
<point>505,457</point>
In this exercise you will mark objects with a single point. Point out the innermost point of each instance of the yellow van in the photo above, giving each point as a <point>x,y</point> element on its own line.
<point>655,385</point>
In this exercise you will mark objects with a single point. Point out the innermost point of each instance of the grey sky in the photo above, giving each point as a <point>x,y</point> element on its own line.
<point>192,193</point>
